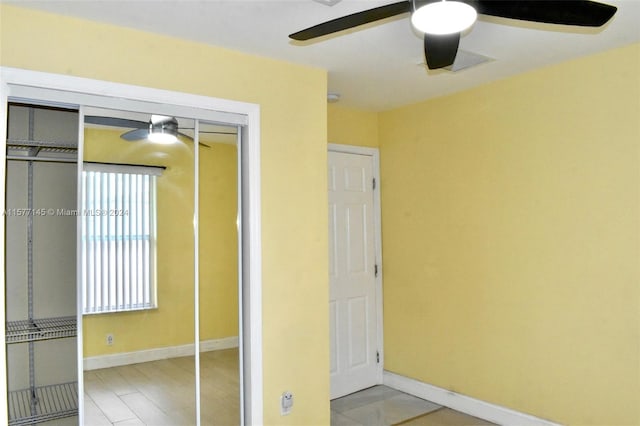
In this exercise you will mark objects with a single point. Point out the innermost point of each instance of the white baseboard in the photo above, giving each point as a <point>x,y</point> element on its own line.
<point>464,404</point>
<point>126,358</point>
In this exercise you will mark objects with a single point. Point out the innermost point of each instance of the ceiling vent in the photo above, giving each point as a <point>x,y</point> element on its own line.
<point>328,2</point>
<point>465,59</point>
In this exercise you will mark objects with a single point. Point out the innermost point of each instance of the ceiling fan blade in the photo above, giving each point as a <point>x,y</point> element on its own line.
<point>440,50</point>
<point>353,20</point>
<point>191,139</point>
<point>582,13</point>
<point>135,135</point>
<point>115,122</point>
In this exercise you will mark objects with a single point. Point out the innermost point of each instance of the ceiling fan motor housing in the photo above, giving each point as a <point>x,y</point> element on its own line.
<point>168,126</point>
<point>164,131</point>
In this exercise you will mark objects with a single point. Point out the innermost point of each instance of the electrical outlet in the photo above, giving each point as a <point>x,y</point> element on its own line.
<point>286,403</point>
<point>109,339</point>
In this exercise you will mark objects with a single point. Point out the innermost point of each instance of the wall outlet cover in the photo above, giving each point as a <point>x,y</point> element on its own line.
<point>286,403</point>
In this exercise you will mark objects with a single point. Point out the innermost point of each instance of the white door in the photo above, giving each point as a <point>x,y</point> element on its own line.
<point>352,287</point>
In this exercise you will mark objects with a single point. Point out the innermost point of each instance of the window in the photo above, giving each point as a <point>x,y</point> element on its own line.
<point>118,237</point>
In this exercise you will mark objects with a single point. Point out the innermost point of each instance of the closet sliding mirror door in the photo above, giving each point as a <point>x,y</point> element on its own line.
<point>143,245</point>
<point>138,259</point>
<point>218,274</point>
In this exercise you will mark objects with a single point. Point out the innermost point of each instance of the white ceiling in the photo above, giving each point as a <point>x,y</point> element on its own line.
<point>378,66</point>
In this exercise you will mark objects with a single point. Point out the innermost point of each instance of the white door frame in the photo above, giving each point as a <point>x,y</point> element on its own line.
<point>72,90</point>
<point>374,153</point>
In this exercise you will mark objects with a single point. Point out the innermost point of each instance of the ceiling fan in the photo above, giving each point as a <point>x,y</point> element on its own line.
<point>443,21</point>
<point>160,128</point>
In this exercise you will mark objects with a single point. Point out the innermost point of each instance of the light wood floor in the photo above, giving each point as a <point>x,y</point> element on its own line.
<point>162,392</point>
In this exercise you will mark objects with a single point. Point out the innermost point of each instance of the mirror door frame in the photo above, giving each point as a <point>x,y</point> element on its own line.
<point>78,91</point>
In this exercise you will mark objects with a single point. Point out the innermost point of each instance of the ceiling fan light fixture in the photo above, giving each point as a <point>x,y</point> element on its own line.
<point>162,138</point>
<point>444,17</point>
<point>163,132</point>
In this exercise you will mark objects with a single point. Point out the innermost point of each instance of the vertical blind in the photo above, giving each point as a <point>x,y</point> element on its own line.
<point>118,237</point>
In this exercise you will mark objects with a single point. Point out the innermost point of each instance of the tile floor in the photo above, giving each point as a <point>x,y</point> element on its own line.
<point>384,406</point>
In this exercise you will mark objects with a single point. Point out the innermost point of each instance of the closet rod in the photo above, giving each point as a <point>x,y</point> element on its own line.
<point>45,159</point>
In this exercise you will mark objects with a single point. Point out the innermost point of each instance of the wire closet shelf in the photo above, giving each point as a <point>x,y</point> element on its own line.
<point>44,403</point>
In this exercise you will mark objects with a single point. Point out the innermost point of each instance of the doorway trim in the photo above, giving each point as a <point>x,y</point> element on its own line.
<point>374,153</point>
<point>251,283</point>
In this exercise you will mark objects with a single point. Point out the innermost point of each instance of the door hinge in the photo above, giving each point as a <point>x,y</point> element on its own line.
<point>374,183</point>
<point>378,357</point>
<point>375,270</point>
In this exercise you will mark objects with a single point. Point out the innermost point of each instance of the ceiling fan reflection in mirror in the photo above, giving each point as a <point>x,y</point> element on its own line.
<point>442,21</point>
<point>159,129</point>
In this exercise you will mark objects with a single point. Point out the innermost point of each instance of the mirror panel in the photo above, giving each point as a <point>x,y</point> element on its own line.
<point>156,381</point>
<point>218,274</point>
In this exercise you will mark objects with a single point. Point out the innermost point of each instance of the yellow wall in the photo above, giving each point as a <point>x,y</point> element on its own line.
<point>511,238</point>
<point>351,126</point>
<point>218,213</point>
<point>292,99</point>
